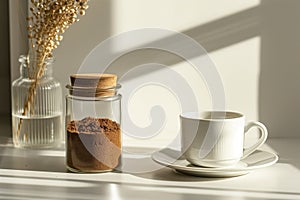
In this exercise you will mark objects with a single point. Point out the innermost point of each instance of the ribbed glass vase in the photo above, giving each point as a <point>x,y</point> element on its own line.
<point>36,106</point>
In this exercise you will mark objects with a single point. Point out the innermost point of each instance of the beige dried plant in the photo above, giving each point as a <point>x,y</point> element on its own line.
<point>47,22</point>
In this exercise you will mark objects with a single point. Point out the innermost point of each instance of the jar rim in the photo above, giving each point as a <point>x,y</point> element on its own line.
<point>71,87</point>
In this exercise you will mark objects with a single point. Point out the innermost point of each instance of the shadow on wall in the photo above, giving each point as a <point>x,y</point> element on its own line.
<point>4,70</point>
<point>212,36</point>
<point>279,92</point>
<point>276,22</point>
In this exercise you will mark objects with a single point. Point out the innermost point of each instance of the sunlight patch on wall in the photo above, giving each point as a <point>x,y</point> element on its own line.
<point>239,67</point>
<point>168,14</point>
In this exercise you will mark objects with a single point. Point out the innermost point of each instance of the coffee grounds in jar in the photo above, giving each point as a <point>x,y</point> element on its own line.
<point>93,144</point>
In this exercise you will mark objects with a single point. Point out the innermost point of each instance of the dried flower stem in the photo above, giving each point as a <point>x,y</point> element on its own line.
<point>48,21</point>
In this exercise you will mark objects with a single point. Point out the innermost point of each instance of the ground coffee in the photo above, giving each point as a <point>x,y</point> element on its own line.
<point>93,144</point>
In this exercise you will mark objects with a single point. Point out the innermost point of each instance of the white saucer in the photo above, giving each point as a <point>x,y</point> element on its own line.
<point>173,159</point>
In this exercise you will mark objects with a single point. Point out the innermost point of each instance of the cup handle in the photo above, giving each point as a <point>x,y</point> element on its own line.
<point>262,139</point>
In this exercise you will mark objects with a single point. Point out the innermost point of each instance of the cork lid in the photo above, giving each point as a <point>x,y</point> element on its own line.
<point>94,80</point>
<point>90,85</point>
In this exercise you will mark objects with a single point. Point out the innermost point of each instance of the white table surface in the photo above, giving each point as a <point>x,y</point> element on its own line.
<point>31,174</point>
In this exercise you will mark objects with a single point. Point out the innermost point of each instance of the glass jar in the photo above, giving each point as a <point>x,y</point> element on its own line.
<point>93,124</point>
<point>36,106</point>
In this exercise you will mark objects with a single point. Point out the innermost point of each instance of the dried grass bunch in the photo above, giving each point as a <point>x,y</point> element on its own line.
<point>48,20</point>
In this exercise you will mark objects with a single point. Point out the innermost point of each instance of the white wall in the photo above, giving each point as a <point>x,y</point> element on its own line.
<point>240,78</point>
<point>231,31</point>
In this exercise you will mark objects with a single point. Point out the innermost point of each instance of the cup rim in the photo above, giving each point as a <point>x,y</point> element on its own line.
<point>198,115</point>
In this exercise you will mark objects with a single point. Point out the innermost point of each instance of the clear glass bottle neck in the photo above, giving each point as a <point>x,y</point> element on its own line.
<point>35,69</point>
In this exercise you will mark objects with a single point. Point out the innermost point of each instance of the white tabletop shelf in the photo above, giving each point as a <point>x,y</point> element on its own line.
<point>32,174</point>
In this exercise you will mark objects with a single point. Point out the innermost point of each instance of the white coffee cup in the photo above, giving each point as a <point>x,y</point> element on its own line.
<point>216,138</point>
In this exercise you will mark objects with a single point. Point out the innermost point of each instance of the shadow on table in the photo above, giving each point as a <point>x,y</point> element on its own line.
<point>287,150</point>
<point>166,174</point>
<point>138,162</point>
<point>49,160</point>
